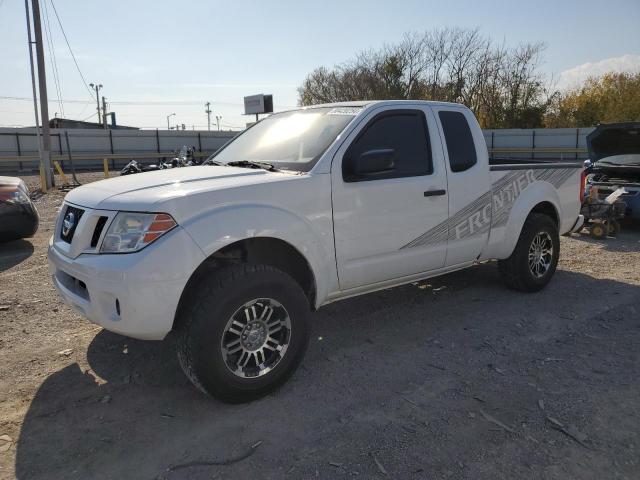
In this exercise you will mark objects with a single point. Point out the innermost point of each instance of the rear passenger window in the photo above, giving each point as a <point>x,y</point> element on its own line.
<point>404,132</point>
<point>457,134</point>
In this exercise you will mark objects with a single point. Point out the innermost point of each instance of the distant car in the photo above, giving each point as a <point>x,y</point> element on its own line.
<point>614,161</point>
<point>18,215</point>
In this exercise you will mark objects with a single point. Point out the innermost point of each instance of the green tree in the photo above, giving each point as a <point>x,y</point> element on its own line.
<point>613,97</point>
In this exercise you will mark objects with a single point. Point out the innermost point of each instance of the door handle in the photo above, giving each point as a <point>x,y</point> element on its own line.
<point>434,193</point>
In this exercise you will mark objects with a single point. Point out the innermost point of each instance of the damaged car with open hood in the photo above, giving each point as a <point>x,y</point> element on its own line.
<point>614,163</point>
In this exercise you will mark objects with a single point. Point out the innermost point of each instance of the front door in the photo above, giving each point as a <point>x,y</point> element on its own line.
<point>380,220</point>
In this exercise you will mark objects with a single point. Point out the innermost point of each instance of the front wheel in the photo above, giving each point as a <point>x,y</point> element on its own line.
<point>245,333</point>
<point>535,258</point>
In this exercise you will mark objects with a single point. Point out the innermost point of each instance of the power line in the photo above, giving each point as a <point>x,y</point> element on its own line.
<point>52,57</point>
<point>86,85</point>
<point>148,102</point>
<point>85,119</point>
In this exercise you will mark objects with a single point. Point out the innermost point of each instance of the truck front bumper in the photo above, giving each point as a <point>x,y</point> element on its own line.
<point>133,294</point>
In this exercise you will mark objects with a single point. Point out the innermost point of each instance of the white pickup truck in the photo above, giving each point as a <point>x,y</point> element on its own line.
<point>306,207</point>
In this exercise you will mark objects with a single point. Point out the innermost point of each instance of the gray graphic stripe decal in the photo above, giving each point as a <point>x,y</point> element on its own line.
<point>556,177</point>
<point>491,209</point>
<point>477,212</point>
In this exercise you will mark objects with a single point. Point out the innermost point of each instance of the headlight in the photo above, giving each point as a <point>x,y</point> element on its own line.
<point>14,196</point>
<point>130,232</point>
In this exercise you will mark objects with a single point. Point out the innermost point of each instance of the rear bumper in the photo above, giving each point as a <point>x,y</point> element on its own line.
<point>133,294</point>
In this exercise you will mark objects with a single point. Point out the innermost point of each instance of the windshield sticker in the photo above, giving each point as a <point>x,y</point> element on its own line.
<point>344,111</point>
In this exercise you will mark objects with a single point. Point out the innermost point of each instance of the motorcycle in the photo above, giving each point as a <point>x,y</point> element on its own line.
<point>185,157</point>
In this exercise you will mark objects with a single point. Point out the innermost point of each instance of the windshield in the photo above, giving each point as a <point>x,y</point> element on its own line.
<point>290,140</point>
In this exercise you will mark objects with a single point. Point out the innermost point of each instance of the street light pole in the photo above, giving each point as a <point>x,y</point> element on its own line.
<point>168,116</point>
<point>218,117</point>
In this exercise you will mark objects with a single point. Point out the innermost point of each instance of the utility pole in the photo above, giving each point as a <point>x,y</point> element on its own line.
<point>208,112</point>
<point>104,112</point>
<point>33,80</point>
<point>97,87</point>
<point>44,107</point>
<point>218,117</point>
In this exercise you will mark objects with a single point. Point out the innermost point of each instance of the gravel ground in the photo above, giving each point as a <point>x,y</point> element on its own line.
<point>456,377</point>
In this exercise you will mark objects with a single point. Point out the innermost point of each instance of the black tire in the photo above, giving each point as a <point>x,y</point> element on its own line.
<point>613,227</point>
<point>203,324</point>
<point>516,271</point>
<point>598,230</point>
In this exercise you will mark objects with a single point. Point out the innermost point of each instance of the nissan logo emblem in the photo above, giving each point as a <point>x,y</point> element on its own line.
<point>68,223</point>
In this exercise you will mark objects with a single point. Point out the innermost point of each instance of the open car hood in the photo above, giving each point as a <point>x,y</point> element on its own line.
<point>614,139</point>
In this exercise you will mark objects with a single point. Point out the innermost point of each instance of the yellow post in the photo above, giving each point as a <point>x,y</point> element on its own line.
<point>60,172</point>
<point>43,182</point>
<point>105,164</point>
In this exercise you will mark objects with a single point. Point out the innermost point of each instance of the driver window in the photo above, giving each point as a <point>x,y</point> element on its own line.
<point>404,132</point>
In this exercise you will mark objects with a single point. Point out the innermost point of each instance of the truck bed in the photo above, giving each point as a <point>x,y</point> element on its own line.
<point>506,163</point>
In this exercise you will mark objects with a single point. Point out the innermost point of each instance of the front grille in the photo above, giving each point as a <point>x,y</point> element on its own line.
<point>70,222</point>
<point>98,231</point>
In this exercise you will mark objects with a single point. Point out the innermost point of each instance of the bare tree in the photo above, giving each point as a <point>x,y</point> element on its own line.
<point>502,86</point>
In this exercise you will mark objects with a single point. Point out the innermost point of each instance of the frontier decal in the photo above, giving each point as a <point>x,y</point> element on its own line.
<point>490,209</point>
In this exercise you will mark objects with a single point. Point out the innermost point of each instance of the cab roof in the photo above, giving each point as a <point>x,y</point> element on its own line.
<point>369,103</point>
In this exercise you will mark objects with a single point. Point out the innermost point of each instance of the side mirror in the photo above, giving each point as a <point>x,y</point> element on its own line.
<point>369,164</point>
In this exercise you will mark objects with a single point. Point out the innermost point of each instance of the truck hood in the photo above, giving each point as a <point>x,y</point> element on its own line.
<point>143,191</point>
<point>614,139</point>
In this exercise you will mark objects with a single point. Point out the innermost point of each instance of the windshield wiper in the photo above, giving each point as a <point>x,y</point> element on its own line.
<point>252,164</point>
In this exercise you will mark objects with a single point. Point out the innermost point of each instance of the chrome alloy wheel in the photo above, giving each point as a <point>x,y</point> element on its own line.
<point>256,338</point>
<point>540,254</point>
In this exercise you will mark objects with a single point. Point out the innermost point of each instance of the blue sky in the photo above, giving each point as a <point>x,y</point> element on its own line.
<point>195,51</point>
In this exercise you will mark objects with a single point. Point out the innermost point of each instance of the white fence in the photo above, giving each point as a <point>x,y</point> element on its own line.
<point>87,147</point>
<point>538,143</point>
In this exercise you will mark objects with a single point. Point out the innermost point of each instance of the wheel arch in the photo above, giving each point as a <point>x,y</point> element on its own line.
<point>541,197</point>
<point>271,251</point>
<point>518,219</point>
<point>547,208</point>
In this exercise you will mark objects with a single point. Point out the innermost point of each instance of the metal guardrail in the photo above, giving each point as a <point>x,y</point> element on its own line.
<point>79,157</point>
<point>87,157</point>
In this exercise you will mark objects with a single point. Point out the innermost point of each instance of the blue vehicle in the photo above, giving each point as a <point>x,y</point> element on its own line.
<point>614,161</point>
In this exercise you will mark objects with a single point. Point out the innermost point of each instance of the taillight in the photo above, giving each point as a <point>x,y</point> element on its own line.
<point>583,182</point>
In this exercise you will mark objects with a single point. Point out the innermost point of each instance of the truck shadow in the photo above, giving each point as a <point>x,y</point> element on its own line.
<point>13,253</point>
<point>133,413</point>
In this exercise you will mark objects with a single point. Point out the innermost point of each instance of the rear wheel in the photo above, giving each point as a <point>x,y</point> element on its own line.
<point>535,258</point>
<point>245,333</point>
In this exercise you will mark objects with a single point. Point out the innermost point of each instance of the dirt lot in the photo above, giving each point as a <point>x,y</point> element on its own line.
<point>457,377</point>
